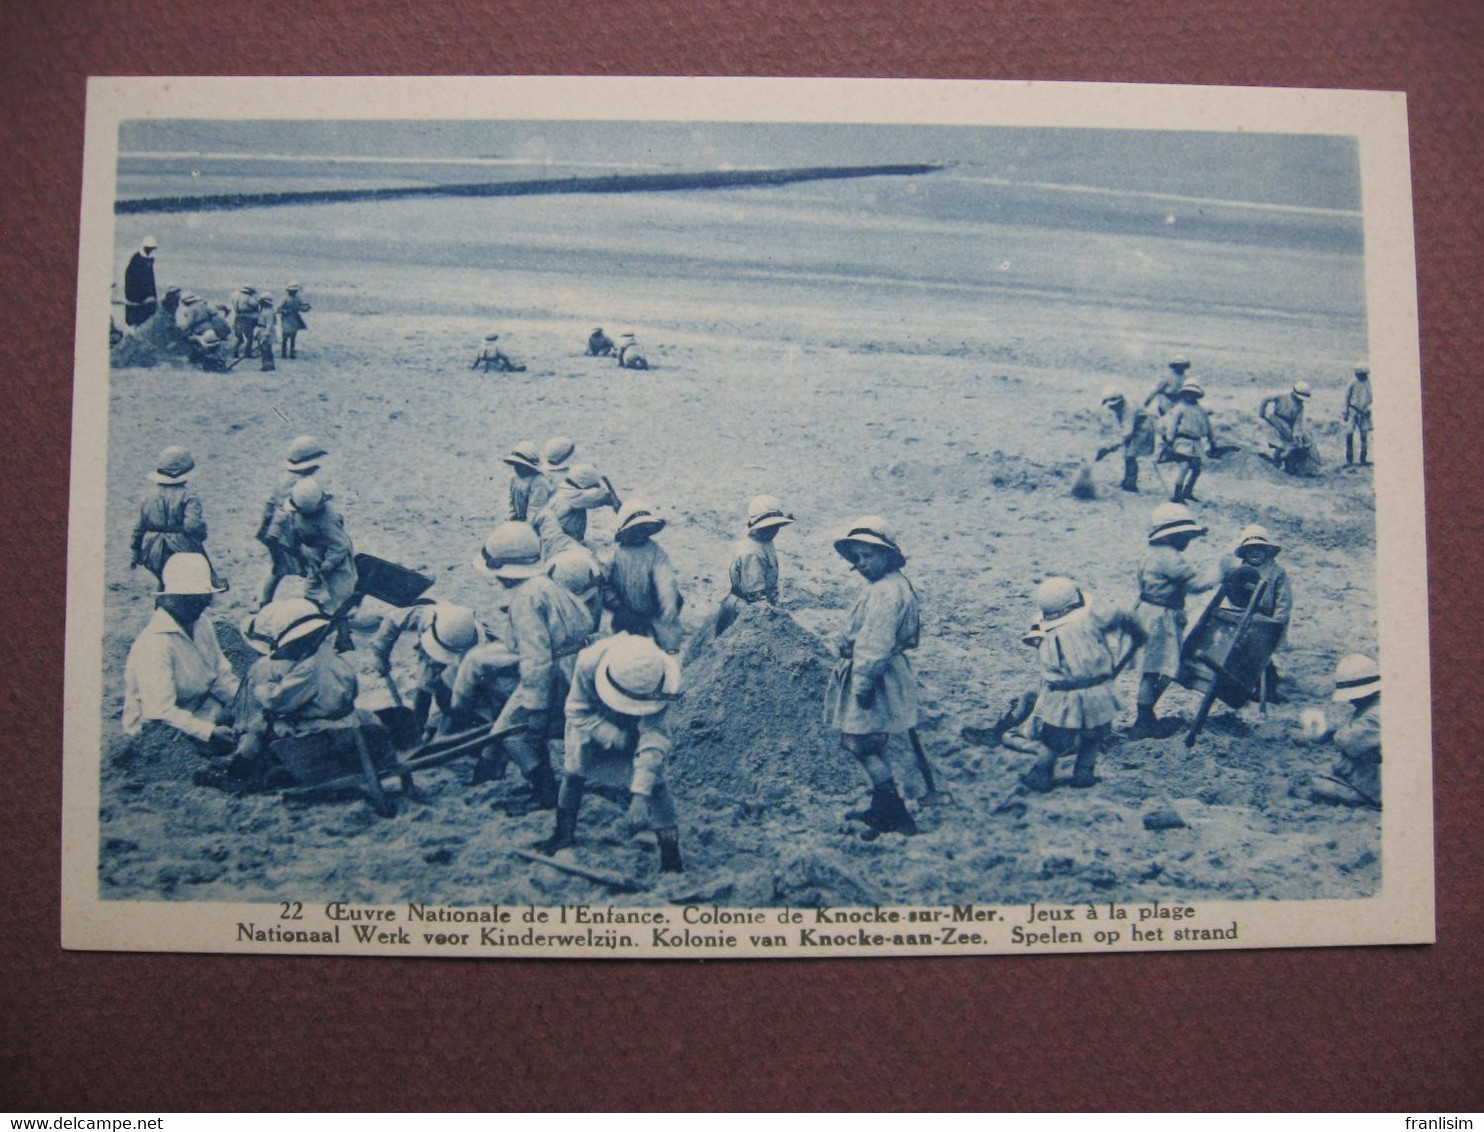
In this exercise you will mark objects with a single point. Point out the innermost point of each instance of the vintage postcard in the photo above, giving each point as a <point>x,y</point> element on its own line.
<point>735,518</point>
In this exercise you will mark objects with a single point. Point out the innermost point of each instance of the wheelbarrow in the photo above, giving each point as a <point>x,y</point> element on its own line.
<point>1227,652</point>
<point>344,760</point>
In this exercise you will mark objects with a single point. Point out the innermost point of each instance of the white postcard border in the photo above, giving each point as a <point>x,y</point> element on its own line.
<point>1402,912</point>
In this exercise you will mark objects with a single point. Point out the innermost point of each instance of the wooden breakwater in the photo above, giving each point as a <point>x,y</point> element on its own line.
<point>614,183</point>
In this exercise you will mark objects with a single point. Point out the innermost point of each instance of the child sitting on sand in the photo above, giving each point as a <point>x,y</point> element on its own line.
<point>629,354</point>
<point>491,357</point>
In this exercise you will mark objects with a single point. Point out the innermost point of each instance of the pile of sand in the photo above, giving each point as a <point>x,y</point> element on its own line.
<point>133,352</point>
<point>240,655</point>
<point>750,724</point>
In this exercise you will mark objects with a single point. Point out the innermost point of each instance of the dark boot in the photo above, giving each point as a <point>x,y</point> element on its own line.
<point>1087,761</point>
<point>1041,775</point>
<point>1350,450</point>
<point>569,802</point>
<point>543,785</point>
<point>874,814</point>
<point>1189,492</point>
<point>894,815</point>
<point>896,819</point>
<point>489,766</point>
<point>669,841</point>
<point>1363,460</point>
<point>1146,726</point>
<point>1130,474</point>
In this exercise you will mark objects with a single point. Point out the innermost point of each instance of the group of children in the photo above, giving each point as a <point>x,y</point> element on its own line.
<point>252,324</point>
<point>538,664</point>
<point>249,325</point>
<point>626,352</point>
<point>1079,642</point>
<point>1172,419</point>
<point>1171,425</point>
<point>526,671</point>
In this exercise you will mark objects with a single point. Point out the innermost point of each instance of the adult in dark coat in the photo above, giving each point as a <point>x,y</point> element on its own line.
<point>140,298</point>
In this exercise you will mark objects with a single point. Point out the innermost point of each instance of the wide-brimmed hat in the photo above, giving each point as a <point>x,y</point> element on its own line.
<point>307,497</point>
<point>766,512</point>
<point>304,454</point>
<point>1112,393</point>
<point>635,678</point>
<point>174,464</point>
<point>1356,677</point>
<point>149,242</point>
<point>294,287</point>
<point>1362,369</point>
<point>1301,389</point>
<point>1179,361</point>
<point>869,530</point>
<point>583,477</point>
<point>491,337</point>
<point>210,338</point>
<point>524,455</point>
<point>557,452</point>
<point>637,518</point>
<point>261,629</point>
<point>186,574</point>
<point>513,552</point>
<point>301,627</point>
<point>188,298</point>
<point>1060,600</point>
<point>575,570</point>
<point>1171,520</point>
<point>1255,535</point>
<point>1192,386</point>
<point>265,300</point>
<point>451,633</point>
